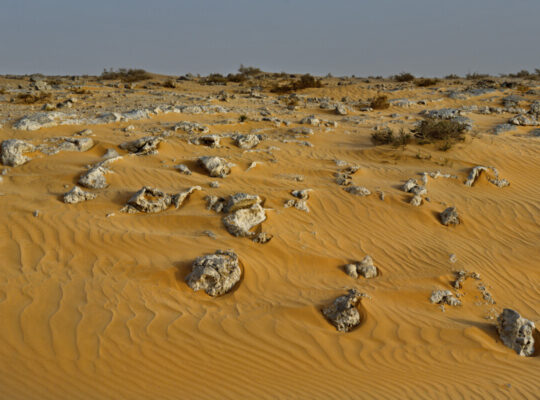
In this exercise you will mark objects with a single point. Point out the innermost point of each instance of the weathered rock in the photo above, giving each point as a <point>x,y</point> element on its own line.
<point>343,312</point>
<point>191,127</point>
<point>501,128</point>
<point>247,141</point>
<point>94,178</point>
<point>409,185</point>
<point>535,108</point>
<point>216,273</point>
<point>416,201</point>
<point>142,146</point>
<point>298,204</point>
<point>516,332</point>
<point>77,195</point>
<point>241,200</point>
<point>110,153</point>
<point>310,120</point>
<point>179,198</point>
<point>216,166</point>
<point>444,297</point>
<point>38,121</point>
<point>364,268</point>
<point>183,169</point>
<point>358,190</point>
<point>208,140</point>
<point>478,170</point>
<point>450,216</point>
<point>302,130</point>
<point>340,109</point>
<point>76,144</point>
<point>242,221</point>
<point>352,270</point>
<point>301,194</point>
<point>215,203</point>
<point>12,152</point>
<point>149,200</point>
<point>462,276</point>
<point>262,237</point>
<point>524,120</point>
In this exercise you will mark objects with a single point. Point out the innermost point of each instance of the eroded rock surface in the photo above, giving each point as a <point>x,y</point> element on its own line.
<point>247,141</point>
<point>444,297</point>
<point>151,200</point>
<point>216,273</point>
<point>343,312</point>
<point>13,150</point>
<point>142,146</point>
<point>77,195</point>
<point>478,170</point>
<point>366,268</point>
<point>358,190</point>
<point>242,221</point>
<point>516,332</point>
<point>450,217</point>
<point>215,166</point>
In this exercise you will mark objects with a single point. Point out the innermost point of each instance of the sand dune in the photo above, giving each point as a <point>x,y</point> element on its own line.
<point>95,306</point>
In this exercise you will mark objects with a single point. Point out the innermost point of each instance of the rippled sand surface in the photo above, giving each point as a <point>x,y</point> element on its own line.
<point>96,307</point>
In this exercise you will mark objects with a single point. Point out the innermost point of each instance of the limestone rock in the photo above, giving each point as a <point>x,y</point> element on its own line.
<point>142,146</point>
<point>241,200</point>
<point>516,332</point>
<point>343,312</point>
<point>450,216</point>
<point>247,141</point>
<point>76,144</point>
<point>215,203</point>
<point>216,166</point>
<point>364,268</point>
<point>94,178</point>
<point>77,195</point>
<point>149,200</point>
<point>183,169</point>
<point>243,220</point>
<point>358,190</point>
<point>179,198</point>
<point>191,127</point>
<point>478,170</point>
<point>12,152</point>
<point>208,140</point>
<point>340,109</point>
<point>524,120</point>
<point>216,273</point>
<point>262,237</point>
<point>310,120</point>
<point>444,297</point>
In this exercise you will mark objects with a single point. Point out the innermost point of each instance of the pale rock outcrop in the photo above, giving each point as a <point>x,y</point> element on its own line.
<point>216,166</point>
<point>247,141</point>
<point>12,152</point>
<point>524,120</point>
<point>191,127</point>
<point>76,144</point>
<point>183,169</point>
<point>241,200</point>
<point>344,177</point>
<point>449,216</point>
<point>151,200</point>
<point>142,146</point>
<point>478,170</point>
<point>358,190</point>
<point>311,120</point>
<point>243,220</point>
<point>216,273</point>
<point>366,268</point>
<point>340,109</point>
<point>94,178</point>
<point>77,195</point>
<point>208,140</point>
<point>516,332</point>
<point>444,297</point>
<point>343,312</point>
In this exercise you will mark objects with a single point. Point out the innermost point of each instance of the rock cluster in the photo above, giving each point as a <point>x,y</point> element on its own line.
<point>412,186</point>
<point>444,297</point>
<point>344,177</point>
<point>366,268</point>
<point>300,203</point>
<point>216,273</point>
<point>516,332</point>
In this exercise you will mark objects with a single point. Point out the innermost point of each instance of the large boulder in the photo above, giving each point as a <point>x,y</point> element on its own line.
<point>12,152</point>
<point>343,312</point>
<point>516,332</point>
<point>216,274</point>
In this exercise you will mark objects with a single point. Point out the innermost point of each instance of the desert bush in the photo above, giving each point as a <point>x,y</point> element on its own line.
<point>523,89</point>
<point>28,98</point>
<point>248,71</point>
<point>433,130</point>
<point>242,118</point>
<point>306,81</point>
<point>380,103</point>
<point>169,83</point>
<point>476,75</point>
<point>125,75</point>
<point>80,90</point>
<point>404,77</point>
<point>387,136</point>
<point>424,82</point>
<point>452,76</point>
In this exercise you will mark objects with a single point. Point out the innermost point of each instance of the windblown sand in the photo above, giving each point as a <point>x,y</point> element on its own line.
<point>95,306</point>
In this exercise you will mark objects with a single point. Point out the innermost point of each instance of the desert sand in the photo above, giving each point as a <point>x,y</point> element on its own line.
<point>94,303</point>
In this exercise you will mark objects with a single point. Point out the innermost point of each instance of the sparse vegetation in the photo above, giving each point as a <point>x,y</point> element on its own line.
<point>125,75</point>
<point>433,130</point>
<point>404,77</point>
<point>476,75</point>
<point>306,81</point>
<point>380,103</point>
<point>79,90</point>
<point>169,83</point>
<point>452,76</point>
<point>28,98</point>
<point>424,82</point>
<point>387,136</point>
<point>242,118</point>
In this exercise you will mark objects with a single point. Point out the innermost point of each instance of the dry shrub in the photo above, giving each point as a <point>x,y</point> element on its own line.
<point>387,136</point>
<point>424,82</point>
<point>29,98</point>
<point>434,130</point>
<point>404,77</point>
<point>125,75</point>
<point>306,81</point>
<point>380,103</point>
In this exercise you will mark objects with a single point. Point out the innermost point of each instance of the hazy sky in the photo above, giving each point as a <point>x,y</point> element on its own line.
<point>344,37</point>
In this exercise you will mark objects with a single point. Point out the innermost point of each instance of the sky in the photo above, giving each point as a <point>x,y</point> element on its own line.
<point>341,37</point>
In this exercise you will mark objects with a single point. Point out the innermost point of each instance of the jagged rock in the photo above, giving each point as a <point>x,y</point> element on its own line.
<point>262,238</point>
<point>343,312</point>
<point>247,141</point>
<point>76,144</point>
<point>344,177</point>
<point>94,178</point>
<point>191,127</point>
<point>42,85</point>
<point>241,200</point>
<point>501,128</point>
<point>524,120</point>
<point>461,276</point>
<point>444,297</point>
<point>364,268</point>
<point>358,190</point>
<point>340,109</point>
<point>149,200</point>
<point>142,146</point>
<point>242,221</point>
<point>409,185</point>
<point>216,273</point>
<point>110,153</point>
<point>179,198</point>
<point>310,120</point>
<point>216,166</point>
<point>301,194</point>
<point>209,140</point>
<point>535,108</point>
<point>516,332</point>
<point>12,152</point>
<point>183,169</point>
<point>450,216</point>
<point>215,203</point>
<point>475,174</point>
<point>77,195</point>
<point>416,201</point>
<point>298,204</point>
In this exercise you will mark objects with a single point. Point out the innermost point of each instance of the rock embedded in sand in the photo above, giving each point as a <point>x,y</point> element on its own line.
<point>241,200</point>
<point>343,312</point>
<point>183,169</point>
<point>216,273</point>
<point>77,195</point>
<point>208,140</point>
<point>247,141</point>
<point>94,178</point>
<point>242,221</point>
<point>449,216</point>
<point>142,146</point>
<point>340,109</point>
<point>516,332</point>
<point>215,166</point>
<point>151,200</point>
<point>358,190</point>
<point>444,297</point>
<point>478,170</point>
<point>76,144</point>
<point>366,268</point>
<point>12,152</point>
